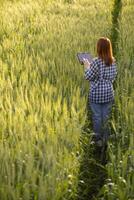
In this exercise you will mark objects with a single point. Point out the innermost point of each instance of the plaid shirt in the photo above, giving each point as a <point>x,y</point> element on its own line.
<point>101,79</point>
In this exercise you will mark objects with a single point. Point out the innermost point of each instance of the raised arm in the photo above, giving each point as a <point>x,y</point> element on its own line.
<point>91,70</point>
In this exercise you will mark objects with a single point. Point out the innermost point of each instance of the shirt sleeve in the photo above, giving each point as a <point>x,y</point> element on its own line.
<point>92,72</point>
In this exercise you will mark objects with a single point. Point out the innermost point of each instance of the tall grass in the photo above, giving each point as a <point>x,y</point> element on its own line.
<point>44,94</point>
<point>121,168</point>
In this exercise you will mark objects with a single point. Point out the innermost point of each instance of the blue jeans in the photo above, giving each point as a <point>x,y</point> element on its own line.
<point>100,116</point>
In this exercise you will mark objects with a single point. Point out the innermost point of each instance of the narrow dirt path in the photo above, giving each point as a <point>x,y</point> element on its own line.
<point>92,174</point>
<point>115,25</point>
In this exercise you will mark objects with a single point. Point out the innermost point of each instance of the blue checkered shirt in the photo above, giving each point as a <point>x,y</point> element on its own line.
<point>101,79</point>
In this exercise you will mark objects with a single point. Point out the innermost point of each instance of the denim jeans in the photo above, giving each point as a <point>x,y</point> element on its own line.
<point>100,116</point>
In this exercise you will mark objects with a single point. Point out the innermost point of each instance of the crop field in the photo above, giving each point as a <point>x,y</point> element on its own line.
<point>43,99</point>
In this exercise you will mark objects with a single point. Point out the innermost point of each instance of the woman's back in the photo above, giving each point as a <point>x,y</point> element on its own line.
<point>101,73</point>
<point>101,78</point>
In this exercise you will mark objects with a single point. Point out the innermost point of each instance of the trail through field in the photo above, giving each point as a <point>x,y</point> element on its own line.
<point>93,174</point>
<point>46,151</point>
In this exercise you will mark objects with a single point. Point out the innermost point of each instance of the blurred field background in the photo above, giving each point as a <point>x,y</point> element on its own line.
<point>44,95</point>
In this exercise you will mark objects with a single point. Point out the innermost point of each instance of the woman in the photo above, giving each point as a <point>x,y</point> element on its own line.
<point>101,73</point>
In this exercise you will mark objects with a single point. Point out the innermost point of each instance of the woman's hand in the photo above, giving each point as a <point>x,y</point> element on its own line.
<point>86,63</point>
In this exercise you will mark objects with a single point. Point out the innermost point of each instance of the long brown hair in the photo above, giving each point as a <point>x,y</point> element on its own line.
<point>104,50</point>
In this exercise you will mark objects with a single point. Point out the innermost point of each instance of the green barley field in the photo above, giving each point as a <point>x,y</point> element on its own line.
<point>43,98</point>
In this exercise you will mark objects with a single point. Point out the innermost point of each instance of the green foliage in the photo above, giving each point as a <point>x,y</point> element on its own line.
<point>121,168</point>
<point>44,95</point>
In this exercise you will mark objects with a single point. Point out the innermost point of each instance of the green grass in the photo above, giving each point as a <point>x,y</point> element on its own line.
<point>44,95</point>
<point>121,168</point>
